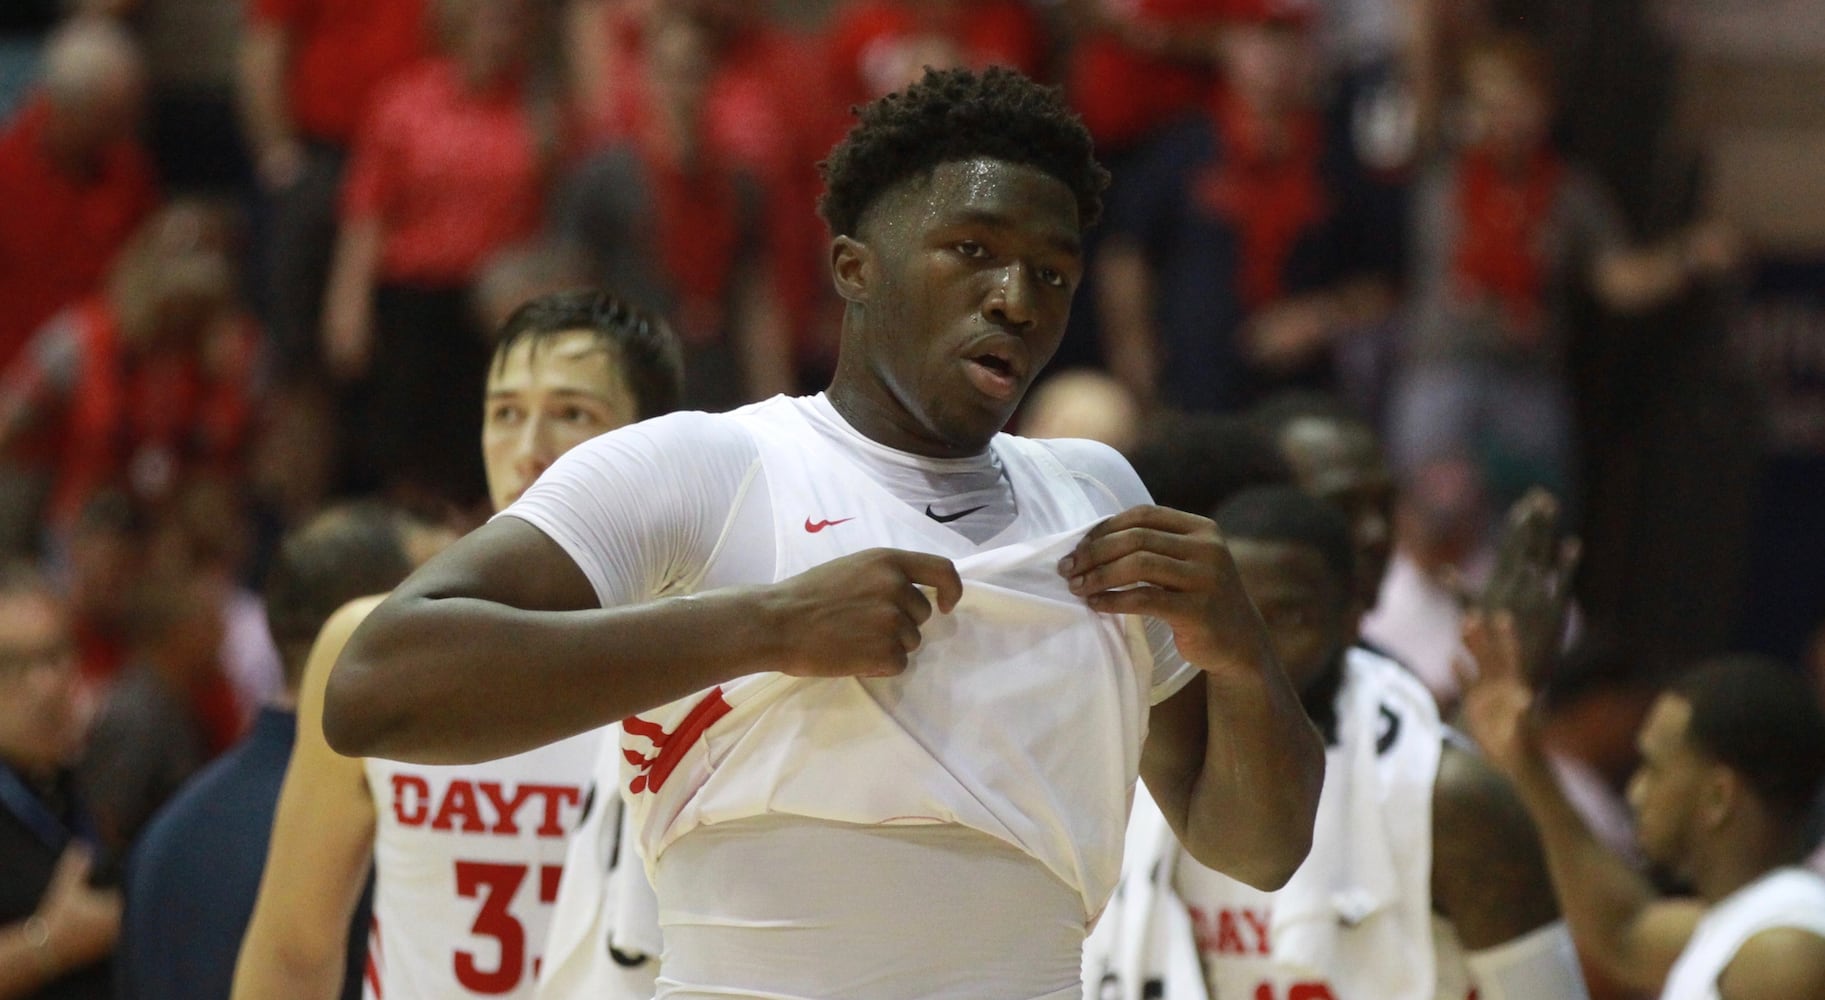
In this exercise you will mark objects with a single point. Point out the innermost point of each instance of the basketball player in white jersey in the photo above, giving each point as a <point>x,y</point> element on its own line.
<point>1425,880</point>
<point>467,859</point>
<point>891,674</point>
<point>1732,756</point>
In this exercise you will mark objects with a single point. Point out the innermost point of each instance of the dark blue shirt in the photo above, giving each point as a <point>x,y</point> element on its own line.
<point>1195,255</point>
<point>193,876</point>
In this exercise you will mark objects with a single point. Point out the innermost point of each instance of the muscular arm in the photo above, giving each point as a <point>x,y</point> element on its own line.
<point>496,646</point>
<point>1232,760</point>
<point>1236,766</point>
<point>1488,873</point>
<point>322,840</point>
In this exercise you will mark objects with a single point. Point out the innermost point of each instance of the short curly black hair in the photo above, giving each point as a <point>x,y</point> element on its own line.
<point>952,115</point>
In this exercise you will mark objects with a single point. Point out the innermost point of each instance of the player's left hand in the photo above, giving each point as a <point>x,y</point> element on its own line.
<point>1174,566</point>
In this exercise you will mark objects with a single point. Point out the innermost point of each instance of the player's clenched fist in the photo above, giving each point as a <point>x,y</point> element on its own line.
<point>1173,566</point>
<point>857,616</point>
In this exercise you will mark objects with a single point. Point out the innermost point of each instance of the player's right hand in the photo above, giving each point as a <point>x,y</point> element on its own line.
<point>857,616</point>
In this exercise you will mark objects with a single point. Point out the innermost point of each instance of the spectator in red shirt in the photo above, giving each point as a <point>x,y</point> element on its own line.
<point>450,168</point>
<point>1232,259</point>
<point>1138,64</point>
<point>146,385</point>
<point>879,46</point>
<point>669,224</point>
<point>309,70</point>
<point>73,182</point>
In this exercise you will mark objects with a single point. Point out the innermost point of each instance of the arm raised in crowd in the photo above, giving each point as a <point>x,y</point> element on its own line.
<point>1618,919</point>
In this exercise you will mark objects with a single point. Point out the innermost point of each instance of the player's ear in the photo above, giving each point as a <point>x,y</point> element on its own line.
<point>852,265</point>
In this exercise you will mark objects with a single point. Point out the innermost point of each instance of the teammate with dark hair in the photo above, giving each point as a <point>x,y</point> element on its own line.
<point>887,671</point>
<point>466,860</point>
<point>1425,880</point>
<point>1732,756</point>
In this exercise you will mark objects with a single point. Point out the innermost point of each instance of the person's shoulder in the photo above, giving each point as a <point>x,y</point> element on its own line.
<point>1775,964</point>
<point>1392,680</point>
<point>1096,465</point>
<point>684,432</point>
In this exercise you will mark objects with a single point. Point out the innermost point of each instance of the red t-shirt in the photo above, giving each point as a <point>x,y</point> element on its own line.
<point>341,51</point>
<point>985,33</point>
<point>1124,94</point>
<point>452,174</point>
<point>59,234</point>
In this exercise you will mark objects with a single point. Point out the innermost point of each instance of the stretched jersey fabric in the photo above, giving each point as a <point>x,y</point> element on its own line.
<point>1354,923</point>
<point>1785,897</point>
<point>1019,722</point>
<point>467,861</point>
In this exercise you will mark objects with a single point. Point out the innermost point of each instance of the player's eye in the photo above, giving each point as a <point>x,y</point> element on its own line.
<point>972,249</point>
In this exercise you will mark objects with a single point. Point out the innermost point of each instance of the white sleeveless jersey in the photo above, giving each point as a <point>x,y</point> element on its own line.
<point>1021,716</point>
<point>467,861</point>
<point>1783,898</point>
<point>1356,921</point>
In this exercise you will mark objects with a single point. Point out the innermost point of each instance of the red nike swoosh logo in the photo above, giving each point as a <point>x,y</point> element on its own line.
<point>816,526</point>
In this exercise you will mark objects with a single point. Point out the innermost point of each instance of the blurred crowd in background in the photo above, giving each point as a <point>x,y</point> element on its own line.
<point>250,255</point>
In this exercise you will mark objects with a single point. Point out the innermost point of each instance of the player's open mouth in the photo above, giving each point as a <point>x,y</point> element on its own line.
<point>994,374</point>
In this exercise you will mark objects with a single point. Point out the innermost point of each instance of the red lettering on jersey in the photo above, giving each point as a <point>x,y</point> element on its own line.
<point>459,802</point>
<point>1297,991</point>
<point>505,810</point>
<point>420,808</point>
<point>1258,922</point>
<point>556,797</point>
<point>671,746</point>
<point>1229,936</point>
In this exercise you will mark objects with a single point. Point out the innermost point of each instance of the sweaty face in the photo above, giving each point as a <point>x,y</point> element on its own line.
<point>1308,612</point>
<point>1343,466</point>
<point>40,719</point>
<point>545,398</point>
<point>1664,792</point>
<point>959,285</point>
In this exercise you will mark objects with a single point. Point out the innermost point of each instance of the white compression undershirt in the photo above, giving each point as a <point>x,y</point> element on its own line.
<point>823,896</point>
<point>663,507</point>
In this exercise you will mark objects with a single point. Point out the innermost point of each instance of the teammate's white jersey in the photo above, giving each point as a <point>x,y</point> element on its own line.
<point>1785,897</point>
<point>1354,923</point>
<point>467,861</point>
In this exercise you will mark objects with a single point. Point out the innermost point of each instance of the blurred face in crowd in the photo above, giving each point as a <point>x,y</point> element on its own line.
<point>1308,611</point>
<point>1668,787</point>
<point>1509,108</point>
<point>493,36</point>
<point>545,397</point>
<point>40,722</point>
<point>1342,465</point>
<point>1268,65</point>
<point>964,280</point>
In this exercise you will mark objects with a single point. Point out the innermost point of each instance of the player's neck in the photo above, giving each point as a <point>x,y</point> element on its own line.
<point>1739,856</point>
<point>870,409</point>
